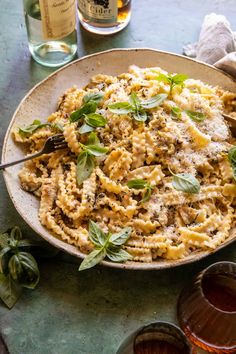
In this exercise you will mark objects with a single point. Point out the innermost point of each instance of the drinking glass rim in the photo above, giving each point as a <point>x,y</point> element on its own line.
<point>166,323</point>
<point>203,274</point>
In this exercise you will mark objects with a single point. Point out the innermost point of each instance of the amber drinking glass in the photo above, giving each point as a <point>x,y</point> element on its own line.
<point>156,338</point>
<point>207,309</point>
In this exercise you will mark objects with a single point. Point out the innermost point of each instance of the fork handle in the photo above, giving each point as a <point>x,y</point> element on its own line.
<point>19,161</point>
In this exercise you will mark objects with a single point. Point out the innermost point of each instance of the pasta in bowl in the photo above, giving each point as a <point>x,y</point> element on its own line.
<point>149,172</point>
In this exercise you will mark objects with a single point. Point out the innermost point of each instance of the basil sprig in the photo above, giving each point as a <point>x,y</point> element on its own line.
<point>87,113</point>
<point>106,245</point>
<point>141,184</point>
<point>195,116</point>
<point>18,269</point>
<point>172,80</point>
<point>232,160</point>
<point>86,159</point>
<point>30,129</point>
<point>136,106</point>
<point>176,112</point>
<point>185,182</point>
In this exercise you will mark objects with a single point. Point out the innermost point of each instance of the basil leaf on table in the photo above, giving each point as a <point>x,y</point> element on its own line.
<point>24,269</point>
<point>10,290</point>
<point>95,120</point>
<point>232,160</point>
<point>121,108</point>
<point>195,116</point>
<point>4,259</point>
<point>85,166</point>
<point>93,96</point>
<point>89,107</point>
<point>186,183</point>
<point>4,239</point>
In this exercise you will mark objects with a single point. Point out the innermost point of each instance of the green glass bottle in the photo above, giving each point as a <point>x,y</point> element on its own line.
<point>51,28</point>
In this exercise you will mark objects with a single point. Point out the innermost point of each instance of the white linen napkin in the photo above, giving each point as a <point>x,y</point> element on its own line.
<point>216,44</point>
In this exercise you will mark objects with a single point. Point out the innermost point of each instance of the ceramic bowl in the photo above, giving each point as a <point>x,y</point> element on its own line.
<point>41,101</point>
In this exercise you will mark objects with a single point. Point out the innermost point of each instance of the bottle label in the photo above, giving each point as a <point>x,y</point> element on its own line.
<point>100,11</point>
<point>58,18</point>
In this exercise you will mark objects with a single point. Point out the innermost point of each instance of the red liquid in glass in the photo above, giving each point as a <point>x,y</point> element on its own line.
<point>156,347</point>
<point>220,291</point>
<point>207,312</point>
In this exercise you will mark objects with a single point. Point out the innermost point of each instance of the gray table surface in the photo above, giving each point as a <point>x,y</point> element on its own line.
<point>91,312</point>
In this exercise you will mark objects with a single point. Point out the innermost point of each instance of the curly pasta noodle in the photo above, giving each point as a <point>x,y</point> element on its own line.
<point>170,224</point>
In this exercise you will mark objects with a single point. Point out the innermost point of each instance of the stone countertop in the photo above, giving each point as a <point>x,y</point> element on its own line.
<point>91,312</point>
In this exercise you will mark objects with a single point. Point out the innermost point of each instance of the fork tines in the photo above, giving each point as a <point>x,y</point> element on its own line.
<point>59,141</point>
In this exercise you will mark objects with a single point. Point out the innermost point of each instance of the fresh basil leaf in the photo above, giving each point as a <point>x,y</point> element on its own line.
<point>196,116</point>
<point>134,100</point>
<point>179,79</point>
<point>93,139</point>
<point>164,78</point>
<point>118,255</point>
<point>85,128</point>
<point>5,255</point>
<point>89,107</point>
<point>28,243</point>
<point>186,183</point>
<point>137,184</point>
<point>3,240</point>
<point>232,160</point>
<point>95,120</point>
<point>121,108</point>
<point>23,268</point>
<point>10,290</point>
<point>96,235</point>
<point>93,96</point>
<point>58,126</point>
<point>30,129</point>
<point>96,150</point>
<point>155,101</point>
<point>140,115</point>
<point>121,237</point>
<point>85,166</point>
<point>147,194</point>
<point>92,259</point>
<point>176,112</point>
<point>16,233</point>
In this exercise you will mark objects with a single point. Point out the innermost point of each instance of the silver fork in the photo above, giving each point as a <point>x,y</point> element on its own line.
<point>53,143</point>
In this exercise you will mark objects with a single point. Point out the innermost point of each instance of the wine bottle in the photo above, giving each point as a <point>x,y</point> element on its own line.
<point>51,28</point>
<point>104,16</point>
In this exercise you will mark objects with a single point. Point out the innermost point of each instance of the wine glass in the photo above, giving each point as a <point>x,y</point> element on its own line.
<point>207,309</point>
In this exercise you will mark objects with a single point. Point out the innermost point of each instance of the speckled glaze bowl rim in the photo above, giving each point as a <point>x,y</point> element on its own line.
<point>155,265</point>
